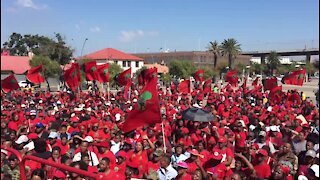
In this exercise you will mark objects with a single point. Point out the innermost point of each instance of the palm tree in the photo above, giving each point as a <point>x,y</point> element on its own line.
<point>216,50</point>
<point>230,48</point>
<point>273,61</point>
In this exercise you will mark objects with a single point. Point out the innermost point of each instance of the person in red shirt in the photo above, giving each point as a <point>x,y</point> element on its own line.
<point>139,156</point>
<point>202,151</point>
<point>182,171</point>
<point>104,151</point>
<point>120,166</point>
<point>106,171</point>
<point>214,167</point>
<point>154,165</point>
<point>55,157</point>
<point>262,169</point>
<point>63,143</point>
<point>191,161</point>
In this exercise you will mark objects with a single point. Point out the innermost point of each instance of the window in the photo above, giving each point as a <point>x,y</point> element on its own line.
<point>137,63</point>
<point>123,63</point>
<point>116,62</point>
<point>129,63</point>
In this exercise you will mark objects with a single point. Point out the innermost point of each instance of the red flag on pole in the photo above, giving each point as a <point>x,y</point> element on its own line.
<point>147,110</point>
<point>90,68</point>
<point>72,76</point>
<point>295,77</point>
<point>255,82</point>
<point>207,86</point>
<point>275,93</point>
<point>147,74</point>
<point>34,75</point>
<point>124,78</point>
<point>184,86</point>
<point>232,78</point>
<point>9,83</point>
<point>270,83</point>
<point>103,71</point>
<point>199,75</point>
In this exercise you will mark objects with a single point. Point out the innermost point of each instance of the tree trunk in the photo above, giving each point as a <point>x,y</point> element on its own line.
<point>48,85</point>
<point>230,61</point>
<point>215,61</point>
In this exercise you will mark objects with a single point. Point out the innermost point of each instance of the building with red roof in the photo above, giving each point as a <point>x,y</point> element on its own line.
<point>110,55</point>
<point>14,64</point>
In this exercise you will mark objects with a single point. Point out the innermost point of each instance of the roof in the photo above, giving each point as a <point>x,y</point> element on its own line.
<point>160,68</point>
<point>110,53</point>
<point>17,64</point>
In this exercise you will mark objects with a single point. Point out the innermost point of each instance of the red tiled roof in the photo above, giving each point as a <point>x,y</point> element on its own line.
<point>17,64</point>
<point>110,53</point>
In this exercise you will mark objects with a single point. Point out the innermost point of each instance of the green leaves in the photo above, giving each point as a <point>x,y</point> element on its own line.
<point>51,68</point>
<point>56,49</point>
<point>182,69</point>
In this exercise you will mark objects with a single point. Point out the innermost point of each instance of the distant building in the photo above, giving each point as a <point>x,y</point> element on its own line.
<point>17,65</point>
<point>283,60</point>
<point>110,55</point>
<point>203,58</point>
<point>162,69</point>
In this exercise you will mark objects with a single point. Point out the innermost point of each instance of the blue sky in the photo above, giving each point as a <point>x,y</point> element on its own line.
<point>146,26</point>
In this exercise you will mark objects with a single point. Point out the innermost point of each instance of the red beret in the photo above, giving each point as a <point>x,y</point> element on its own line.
<point>222,139</point>
<point>263,152</point>
<point>122,154</point>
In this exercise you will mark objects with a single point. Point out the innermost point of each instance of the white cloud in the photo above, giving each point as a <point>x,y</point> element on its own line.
<point>30,4</point>
<point>95,29</point>
<point>127,36</point>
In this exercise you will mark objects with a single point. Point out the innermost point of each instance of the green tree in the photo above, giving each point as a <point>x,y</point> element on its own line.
<point>114,69</point>
<point>166,78</point>
<point>273,61</point>
<point>181,69</point>
<point>51,68</point>
<point>258,68</point>
<point>55,48</point>
<point>209,73</point>
<point>215,49</point>
<point>282,69</point>
<point>230,48</point>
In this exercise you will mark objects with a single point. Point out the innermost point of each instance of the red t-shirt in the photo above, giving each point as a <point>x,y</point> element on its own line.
<point>262,171</point>
<point>218,171</point>
<point>152,166</point>
<point>108,154</point>
<point>185,176</point>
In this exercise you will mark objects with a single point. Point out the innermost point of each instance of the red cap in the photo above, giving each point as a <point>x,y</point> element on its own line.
<point>222,139</point>
<point>139,140</point>
<point>194,152</point>
<point>103,144</point>
<point>185,130</point>
<point>216,154</point>
<point>122,154</point>
<point>33,136</point>
<point>262,152</point>
<point>285,169</point>
<point>74,119</point>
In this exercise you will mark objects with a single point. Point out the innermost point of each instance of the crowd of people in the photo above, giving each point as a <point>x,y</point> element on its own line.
<point>251,137</point>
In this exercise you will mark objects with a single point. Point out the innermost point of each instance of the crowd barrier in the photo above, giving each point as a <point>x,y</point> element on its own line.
<point>23,159</point>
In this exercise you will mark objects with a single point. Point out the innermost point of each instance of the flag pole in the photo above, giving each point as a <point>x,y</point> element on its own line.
<point>108,90</point>
<point>164,138</point>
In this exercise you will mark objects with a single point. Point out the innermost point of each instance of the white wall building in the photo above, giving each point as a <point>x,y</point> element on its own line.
<point>110,55</point>
<point>283,60</point>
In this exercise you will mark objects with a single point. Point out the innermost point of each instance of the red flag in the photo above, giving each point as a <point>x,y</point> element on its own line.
<point>124,78</point>
<point>103,71</point>
<point>232,77</point>
<point>184,86</point>
<point>270,83</point>
<point>255,82</point>
<point>199,75</point>
<point>90,68</point>
<point>207,86</point>
<point>295,77</point>
<point>256,89</point>
<point>147,110</point>
<point>147,74</point>
<point>275,93</point>
<point>244,85</point>
<point>72,76</point>
<point>9,83</point>
<point>295,97</point>
<point>34,75</point>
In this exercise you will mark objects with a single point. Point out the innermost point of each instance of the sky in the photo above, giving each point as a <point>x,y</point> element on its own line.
<point>136,26</point>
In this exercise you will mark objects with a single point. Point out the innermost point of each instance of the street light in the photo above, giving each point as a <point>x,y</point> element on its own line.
<point>83,46</point>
